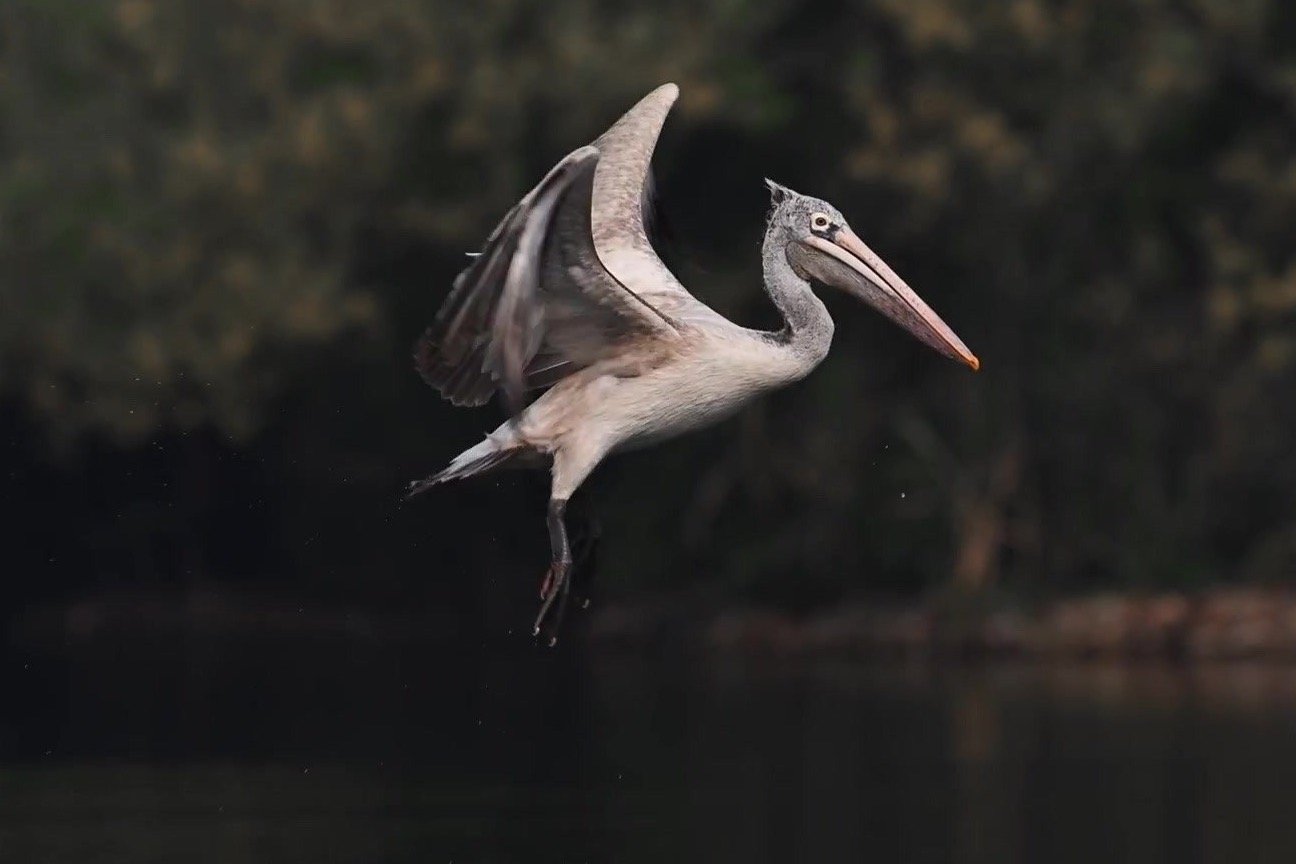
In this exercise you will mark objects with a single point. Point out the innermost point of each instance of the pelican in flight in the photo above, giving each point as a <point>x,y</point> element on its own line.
<point>568,299</point>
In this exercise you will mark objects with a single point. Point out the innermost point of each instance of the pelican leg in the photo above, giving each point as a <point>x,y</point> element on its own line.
<point>583,533</point>
<point>573,462</point>
<point>557,584</point>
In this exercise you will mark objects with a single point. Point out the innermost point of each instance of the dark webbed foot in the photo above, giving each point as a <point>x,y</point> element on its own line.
<point>556,587</point>
<point>557,582</point>
<point>554,609</point>
<point>572,571</point>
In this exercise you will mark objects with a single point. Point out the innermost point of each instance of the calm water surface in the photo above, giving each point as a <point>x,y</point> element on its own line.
<point>275,749</point>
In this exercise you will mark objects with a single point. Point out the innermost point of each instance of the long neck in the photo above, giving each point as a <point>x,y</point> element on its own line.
<point>807,330</point>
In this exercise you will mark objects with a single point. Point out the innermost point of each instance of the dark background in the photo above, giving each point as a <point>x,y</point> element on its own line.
<point>223,224</point>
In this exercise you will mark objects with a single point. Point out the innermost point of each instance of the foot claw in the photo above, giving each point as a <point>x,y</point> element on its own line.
<point>547,584</point>
<point>557,584</point>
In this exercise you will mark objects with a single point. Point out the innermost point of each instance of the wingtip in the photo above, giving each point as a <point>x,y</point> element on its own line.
<point>660,99</point>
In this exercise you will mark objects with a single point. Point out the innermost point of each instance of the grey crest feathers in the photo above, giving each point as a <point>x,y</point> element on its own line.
<point>778,192</point>
<point>792,210</point>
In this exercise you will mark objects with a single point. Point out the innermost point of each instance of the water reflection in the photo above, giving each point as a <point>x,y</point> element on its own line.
<point>214,748</point>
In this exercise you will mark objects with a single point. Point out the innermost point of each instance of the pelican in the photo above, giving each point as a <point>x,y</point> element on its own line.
<point>568,299</point>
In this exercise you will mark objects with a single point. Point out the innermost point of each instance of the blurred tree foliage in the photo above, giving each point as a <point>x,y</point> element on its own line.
<point>200,199</point>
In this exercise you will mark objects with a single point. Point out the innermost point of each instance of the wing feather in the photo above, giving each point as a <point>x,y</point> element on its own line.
<point>537,304</point>
<point>568,277</point>
<point>622,205</point>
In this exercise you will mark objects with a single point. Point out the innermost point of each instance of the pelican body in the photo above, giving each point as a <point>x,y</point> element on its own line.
<point>568,299</point>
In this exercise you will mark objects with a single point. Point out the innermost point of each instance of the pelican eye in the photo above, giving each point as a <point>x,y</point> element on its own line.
<point>820,222</point>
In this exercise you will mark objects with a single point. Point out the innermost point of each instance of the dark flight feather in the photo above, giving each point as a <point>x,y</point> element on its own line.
<point>536,304</point>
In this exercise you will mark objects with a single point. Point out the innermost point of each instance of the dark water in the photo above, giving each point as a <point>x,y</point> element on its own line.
<point>274,749</point>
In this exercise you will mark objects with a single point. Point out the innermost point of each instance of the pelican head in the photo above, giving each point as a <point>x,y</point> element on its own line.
<point>821,247</point>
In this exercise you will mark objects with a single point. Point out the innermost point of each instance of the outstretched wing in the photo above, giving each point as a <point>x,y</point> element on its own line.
<point>622,197</point>
<point>537,303</point>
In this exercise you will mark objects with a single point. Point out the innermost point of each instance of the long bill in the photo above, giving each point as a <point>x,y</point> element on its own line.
<point>868,277</point>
